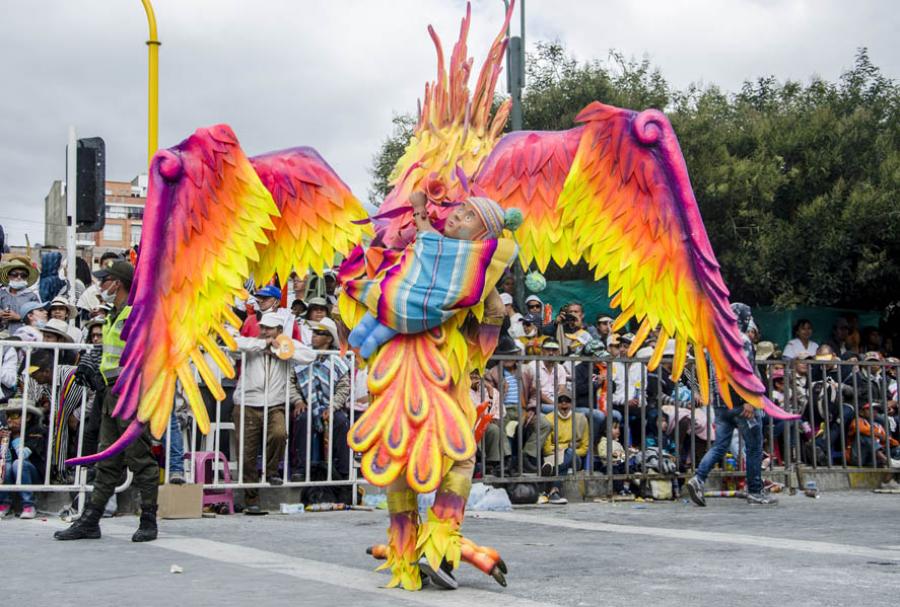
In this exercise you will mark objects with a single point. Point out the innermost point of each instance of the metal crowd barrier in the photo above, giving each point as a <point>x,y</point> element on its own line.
<point>78,483</point>
<point>830,396</point>
<point>840,389</point>
<point>269,403</point>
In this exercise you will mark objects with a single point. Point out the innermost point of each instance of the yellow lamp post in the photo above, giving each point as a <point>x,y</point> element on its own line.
<point>152,84</point>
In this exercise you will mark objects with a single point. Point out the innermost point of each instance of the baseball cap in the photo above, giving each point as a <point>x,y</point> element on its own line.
<point>30,306</point>
<point>550,345</point>
<point>268,291</point>
<point>506,298</point>
<point>604,319</point>
<point>531,318</point>
<point>564,393</point>
<point>120,270</point>
<point>533,298</point>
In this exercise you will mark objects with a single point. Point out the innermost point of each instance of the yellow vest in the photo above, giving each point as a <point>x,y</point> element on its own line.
<point>113,345</point>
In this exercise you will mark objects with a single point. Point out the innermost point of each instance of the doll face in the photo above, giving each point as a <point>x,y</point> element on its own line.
<point>463,223</point>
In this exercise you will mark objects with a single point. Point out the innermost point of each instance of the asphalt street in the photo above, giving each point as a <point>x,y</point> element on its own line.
<point>841,549</point>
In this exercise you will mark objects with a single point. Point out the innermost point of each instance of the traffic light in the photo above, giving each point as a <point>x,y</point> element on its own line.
<point>90,203</point>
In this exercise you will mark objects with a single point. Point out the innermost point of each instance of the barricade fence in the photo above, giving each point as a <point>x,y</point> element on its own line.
<point>622,422</point>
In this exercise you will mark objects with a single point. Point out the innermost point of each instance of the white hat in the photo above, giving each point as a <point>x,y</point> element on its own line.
<point>57,327</point>
<point>272,320</point>
<point>326,324</point>
<point>532,298</point>
<point>506,298</point>
<point>61,302</point>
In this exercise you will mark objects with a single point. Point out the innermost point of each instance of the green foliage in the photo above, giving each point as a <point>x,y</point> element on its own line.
<point>798,185</point>
<point>390,152</point>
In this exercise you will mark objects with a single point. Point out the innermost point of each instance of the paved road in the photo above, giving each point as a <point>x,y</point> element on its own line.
<point>842,549</point>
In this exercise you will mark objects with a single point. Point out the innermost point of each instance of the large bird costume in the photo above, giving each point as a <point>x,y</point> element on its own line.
<point>613,191</point>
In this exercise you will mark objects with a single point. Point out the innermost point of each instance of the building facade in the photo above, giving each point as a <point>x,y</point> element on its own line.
<point>125,201</point>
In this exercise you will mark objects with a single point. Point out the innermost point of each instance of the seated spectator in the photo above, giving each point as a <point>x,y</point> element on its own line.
<point>587,390</point>
<point>324,379</point>
<point>62,408</point>
<point>565,443</point>
<point>61,310</point>
<point>28,453</point>
<point>615,452</point>
<point>17,275</point>
<point>872,438</point>
<point>264,380</point>
<point>801,343</point>
<point>57,332</point>
<point>516,390</point>
<point>9,370</point>
<point>34,317</point>
<point>496,447</point>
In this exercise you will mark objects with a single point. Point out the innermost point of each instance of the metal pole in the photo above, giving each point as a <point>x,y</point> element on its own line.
<point>153,45</point>
<point>71,204</point>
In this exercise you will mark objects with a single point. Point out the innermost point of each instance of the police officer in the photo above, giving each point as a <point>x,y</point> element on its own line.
<point>115,282</point>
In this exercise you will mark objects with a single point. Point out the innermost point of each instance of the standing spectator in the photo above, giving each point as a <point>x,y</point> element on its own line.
<point>260,389</point>
<point>29,454</point>
<point>515,319</point>
<point>267,300</point>
<point>534,305</point>
<point>89,302</point>
<point>324,379</point>
<point>743,417</point>
<point>318,309</point>
<point>801,342</point>
<point>840,330</point>
<point>549,375</point>
<point>17,276</point>
<point>871,340</point>
<point>531,339</point>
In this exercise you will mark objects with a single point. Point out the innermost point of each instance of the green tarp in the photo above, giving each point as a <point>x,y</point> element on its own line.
<point>775,325</point>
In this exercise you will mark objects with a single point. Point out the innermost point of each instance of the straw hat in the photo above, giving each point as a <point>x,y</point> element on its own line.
<point>18,262</point>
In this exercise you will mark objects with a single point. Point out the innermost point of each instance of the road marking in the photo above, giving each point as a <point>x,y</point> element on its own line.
<point>319,571</point>
<point>777,543</point>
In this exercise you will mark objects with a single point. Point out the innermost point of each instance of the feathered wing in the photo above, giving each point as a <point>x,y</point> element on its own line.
<point>210,223</point>
<point>615,192</point>
<point>206,212</point>
<point>317,214</point>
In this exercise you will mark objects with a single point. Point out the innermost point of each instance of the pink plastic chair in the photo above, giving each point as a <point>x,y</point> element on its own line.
<point>203,473</point>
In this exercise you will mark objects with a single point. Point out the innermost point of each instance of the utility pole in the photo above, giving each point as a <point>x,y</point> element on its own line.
<point>71,193</point>
<point>515,82</point>
<point>152,84</point>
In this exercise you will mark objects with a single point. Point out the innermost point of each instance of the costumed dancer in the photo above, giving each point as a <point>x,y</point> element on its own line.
<point>115,282</point>
<point>418,433</point>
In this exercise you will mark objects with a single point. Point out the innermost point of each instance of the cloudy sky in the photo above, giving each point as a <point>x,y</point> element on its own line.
<point>331,74</point>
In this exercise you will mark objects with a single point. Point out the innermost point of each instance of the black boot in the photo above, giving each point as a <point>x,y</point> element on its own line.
<point>147,530</point>
<point>86,527</point>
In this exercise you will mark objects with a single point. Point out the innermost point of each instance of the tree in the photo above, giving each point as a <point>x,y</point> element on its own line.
<point>390,152</point>
<point>798,184</point>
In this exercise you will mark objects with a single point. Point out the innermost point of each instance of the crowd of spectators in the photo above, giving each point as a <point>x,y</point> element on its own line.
<point>584,404</point>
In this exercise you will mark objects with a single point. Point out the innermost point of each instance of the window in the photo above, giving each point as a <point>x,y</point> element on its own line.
<point>116,211</point>
<point>135,213</point>
<point>135,233</point>
<point>112,231</point>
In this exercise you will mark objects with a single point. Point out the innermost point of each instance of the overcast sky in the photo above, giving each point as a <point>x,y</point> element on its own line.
<point>331,74</point>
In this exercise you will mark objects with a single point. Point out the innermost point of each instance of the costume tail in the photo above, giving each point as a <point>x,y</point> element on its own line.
<point>134,430</point>
<point>776,412</point>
